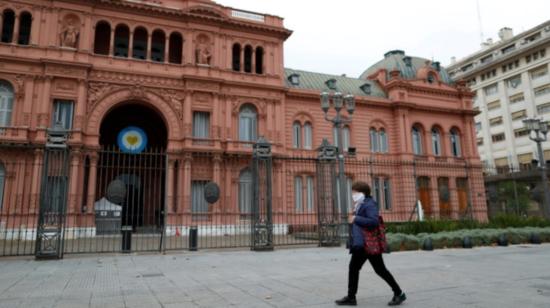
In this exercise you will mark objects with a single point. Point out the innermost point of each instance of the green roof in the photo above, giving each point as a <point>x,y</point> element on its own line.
<point>317,81</point>
<point>396,60</point>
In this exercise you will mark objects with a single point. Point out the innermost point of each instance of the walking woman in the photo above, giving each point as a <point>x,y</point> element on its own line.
<point>365,219</point>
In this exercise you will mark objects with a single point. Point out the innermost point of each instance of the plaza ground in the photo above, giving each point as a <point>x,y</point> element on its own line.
<point>515,276</point>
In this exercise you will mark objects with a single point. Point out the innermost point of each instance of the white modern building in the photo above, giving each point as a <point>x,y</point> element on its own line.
<point>512,83</point>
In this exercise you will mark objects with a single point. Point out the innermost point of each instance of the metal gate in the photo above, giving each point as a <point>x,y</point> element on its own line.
<point>327,205</point>
<point>53,197</point>
<point>262,218</point>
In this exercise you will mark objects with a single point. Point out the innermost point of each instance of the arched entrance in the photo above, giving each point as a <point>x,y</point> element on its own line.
<point>131,170</point>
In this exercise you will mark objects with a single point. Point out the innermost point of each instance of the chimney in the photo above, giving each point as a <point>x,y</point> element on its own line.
<point>505,33</point>
<point>453,60</point>
<point>487,43</point>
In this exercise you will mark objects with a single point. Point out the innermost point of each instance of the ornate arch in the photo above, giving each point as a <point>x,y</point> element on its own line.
<point>135,93</point>
<point>303,117</point>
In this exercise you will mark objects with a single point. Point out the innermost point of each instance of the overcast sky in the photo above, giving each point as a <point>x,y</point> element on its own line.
<point>347,36</point>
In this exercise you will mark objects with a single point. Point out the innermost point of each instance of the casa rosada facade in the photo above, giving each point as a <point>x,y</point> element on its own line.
<point>201,82</point>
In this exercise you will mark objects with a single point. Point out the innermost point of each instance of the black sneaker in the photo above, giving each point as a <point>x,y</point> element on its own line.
<point>397,299</point>
<point>346,301</point>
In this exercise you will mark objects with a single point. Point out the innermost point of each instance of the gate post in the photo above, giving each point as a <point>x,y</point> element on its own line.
<point>262,220</point>
<point>327,204</point>
<point>53,195</point>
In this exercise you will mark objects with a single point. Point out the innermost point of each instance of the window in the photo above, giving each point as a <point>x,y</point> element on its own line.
<point>236,53</point>
<point>514,82</point>
<point>2,180</point>
<point>248,59</point>
<point>493,105</point>
<point>508,49</point>
<point>248,123</point>
<point>455,143</point>
<point>542,109</point>
<point>518,115</point>
<point>491,90</point>
<point>348,189</point>
<point>467,67</point>
<point>387,194</point>
<point>157,46</point>
<point>296,135</point>
<point>63,113</point>
<point>436,142</point>
<point>139,50</point>
<point>517,98</point>
<point>382,192</point>
<point>444,197</point>
<point>417,141</point>
<point>25,21</point>
<point>373,140</point>
<point>310,194</point>
<point>298,194</point>
<point>201,124</point>
<point>122,37</point>
<point>102,39</point>
<point>479,141</point>
<point>6,103</point>
<point>245,192</point>
<point>478,127</point>
<point>498,137</point>
<point>495,121</point>
<point>8,23</point>
<point>532,38</point>
<point>199,206</point>
<point>259,60</point>
<point>520,132</point>
<point>539,72</point>
<point>175,48</point>
<point>383,141</point>
<point>486,59</point>
<point>376,186</point>
<point>540,91</point>
<point>308,136</point>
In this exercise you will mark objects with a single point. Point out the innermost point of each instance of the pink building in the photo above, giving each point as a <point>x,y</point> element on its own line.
<point>187,86</point>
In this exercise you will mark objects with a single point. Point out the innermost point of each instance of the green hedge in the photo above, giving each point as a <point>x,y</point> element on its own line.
<point>436,226</point>
<point>479,237</point>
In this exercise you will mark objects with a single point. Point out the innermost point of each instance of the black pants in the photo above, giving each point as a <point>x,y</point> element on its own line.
<point>358,258</point>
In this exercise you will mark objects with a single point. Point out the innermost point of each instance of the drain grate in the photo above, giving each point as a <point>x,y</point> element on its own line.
<point>150,275</point>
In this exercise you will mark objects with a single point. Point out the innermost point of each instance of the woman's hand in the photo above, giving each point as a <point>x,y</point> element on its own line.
<point>351,219</point>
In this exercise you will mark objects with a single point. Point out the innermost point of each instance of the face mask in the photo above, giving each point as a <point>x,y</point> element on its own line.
<point>358,197</point>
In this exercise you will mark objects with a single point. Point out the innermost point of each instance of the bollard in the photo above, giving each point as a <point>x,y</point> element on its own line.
<point>534,238</point>
<point>193,238</point>
<point>428,245</point>
<point>126,239</point>
<point>502,240</point>
<point>467,242</point>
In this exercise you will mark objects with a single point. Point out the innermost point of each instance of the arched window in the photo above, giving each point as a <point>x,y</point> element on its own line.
<point>417,140</point>
<point>248,126</point>
<point>157,50</point>
<point>259,60</point>
<point>25,21</point>
<point>176,46</point>
<point>298,194</point>
<point>308,136</point>
<point>455,143</point>
<point>102,39</point>
<point>8,23</point>
<point>2,180</point>
<point>139,50</point>
<point>6,103</point>
<point>373,134</point>
<point>436,142</point>
<point>383,141</point>
<point>236,63</point>
<point>122,39</point>
<point>245,192</point>
<point>296,135</point>
<point>248,59</point>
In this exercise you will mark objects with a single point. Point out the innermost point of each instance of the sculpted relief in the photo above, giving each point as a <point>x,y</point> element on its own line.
<point>70,31</point>
<point>203,52</point>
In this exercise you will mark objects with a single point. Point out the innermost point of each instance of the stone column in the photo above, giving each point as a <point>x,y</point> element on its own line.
<point>15,38</point>
<point>170,186</point>
<point>253,66</point>
<point>187,116</point>
<point>92,180</point>
<point>131,45</point>
<point>45,106</point>
<point>217,176</point>
<point>149,40</point>
<point>241,69</point>
<point>112,43</point>
<point>80,110</point>
<point>188,159</point>
<point>179,189</point>
<point>36,178</point>
<point>74,181</point>
<point>166,49</point>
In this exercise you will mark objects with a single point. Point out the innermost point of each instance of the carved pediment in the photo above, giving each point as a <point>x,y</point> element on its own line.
<point>207,11</point>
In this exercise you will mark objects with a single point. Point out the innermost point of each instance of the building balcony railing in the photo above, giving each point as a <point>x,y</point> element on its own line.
<point>10,134</point>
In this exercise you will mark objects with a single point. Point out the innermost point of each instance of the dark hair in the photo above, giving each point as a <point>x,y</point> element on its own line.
<point>361,187</point>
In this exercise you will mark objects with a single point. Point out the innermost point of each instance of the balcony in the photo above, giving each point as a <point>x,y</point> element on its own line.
<point>14,135</point>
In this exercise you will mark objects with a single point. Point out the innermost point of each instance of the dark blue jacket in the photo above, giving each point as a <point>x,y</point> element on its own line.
<point>366,216</point>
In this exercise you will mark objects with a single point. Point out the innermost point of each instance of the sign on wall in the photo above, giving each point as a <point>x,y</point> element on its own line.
<point>132,140</point>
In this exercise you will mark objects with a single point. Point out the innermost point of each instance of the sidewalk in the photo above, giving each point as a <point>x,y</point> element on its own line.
<point>516,276</point>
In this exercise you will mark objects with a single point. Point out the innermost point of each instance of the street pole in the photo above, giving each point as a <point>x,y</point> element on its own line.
<point>544,179</point>
<point>341,175</point>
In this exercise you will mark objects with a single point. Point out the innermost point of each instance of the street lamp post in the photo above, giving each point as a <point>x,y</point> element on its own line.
<point>337,100</point>
<point>537,132</point>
